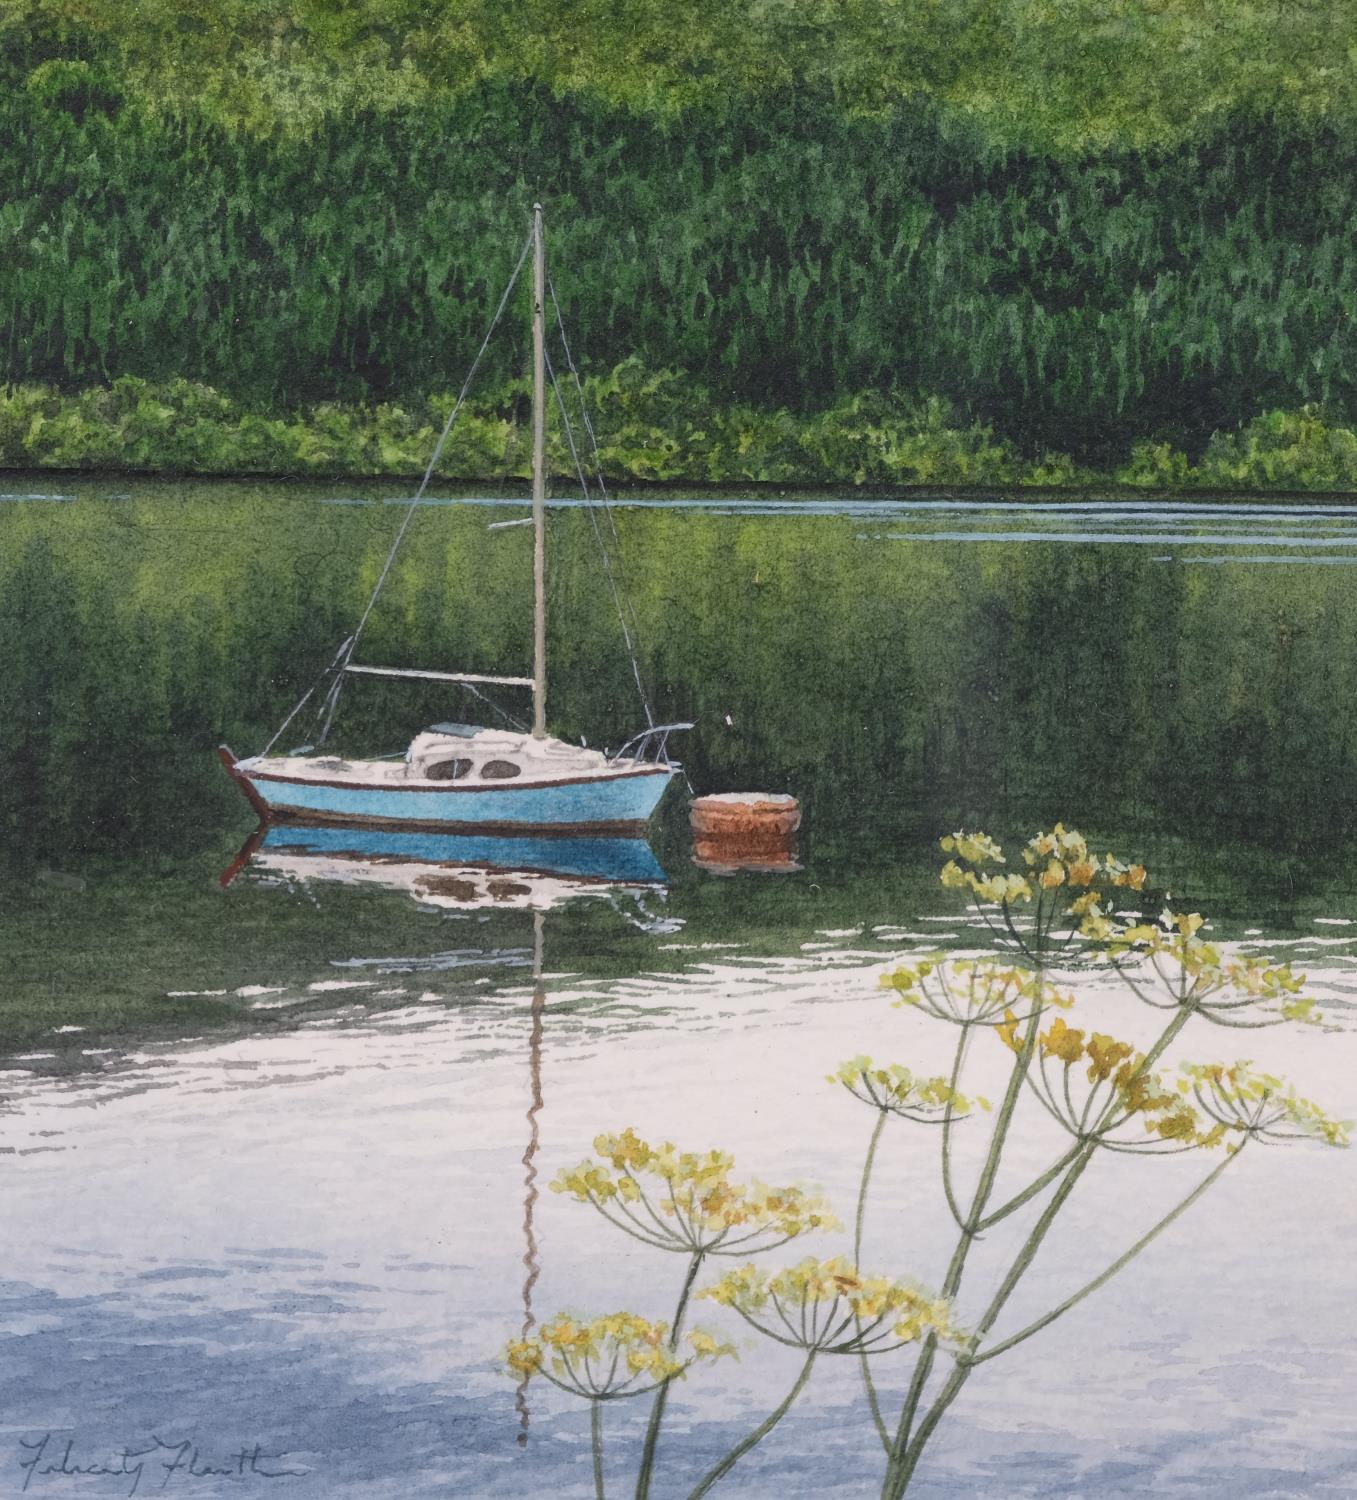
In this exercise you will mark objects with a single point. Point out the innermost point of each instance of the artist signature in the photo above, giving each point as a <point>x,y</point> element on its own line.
<point>158,1463</point>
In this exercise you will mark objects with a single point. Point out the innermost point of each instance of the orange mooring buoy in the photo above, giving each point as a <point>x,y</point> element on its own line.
<point>745,831</point>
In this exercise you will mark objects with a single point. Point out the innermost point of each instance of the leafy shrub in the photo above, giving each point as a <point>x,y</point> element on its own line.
<point>1296,450</point>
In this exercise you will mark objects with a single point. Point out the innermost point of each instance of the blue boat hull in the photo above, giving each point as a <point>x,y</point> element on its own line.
<point>615,801</point>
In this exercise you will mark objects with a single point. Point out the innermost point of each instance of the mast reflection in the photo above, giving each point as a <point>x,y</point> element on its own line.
<point>530,1256</point>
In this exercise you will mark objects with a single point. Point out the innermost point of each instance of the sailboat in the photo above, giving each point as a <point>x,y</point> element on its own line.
<point>455,775</point>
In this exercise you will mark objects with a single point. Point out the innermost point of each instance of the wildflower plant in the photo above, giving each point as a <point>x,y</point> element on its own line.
<point>1070,906</point>
<point>1260,1106</point>
<point>1065,887</point>
<point>829,1307</point>
<point>1099,1089</point>
<point>972,992</point>
<point>685,1201</point>
<point>688,1203</point>
<point>1167,964</point>
<point>605,1359</point>
<point>608,1358</point>
<point>894,1090</point>
<point>1061,905</point>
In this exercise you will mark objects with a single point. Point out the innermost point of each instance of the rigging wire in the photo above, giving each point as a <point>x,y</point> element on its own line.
<point>598,457</point>
<point>502,712</point>
<point>584,409</point>
<point>332,698</point>
<point>603,546</point>
<point>626,608</point>
<point>304,699</point>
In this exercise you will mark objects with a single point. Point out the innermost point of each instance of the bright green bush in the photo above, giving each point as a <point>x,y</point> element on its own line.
<point>1296,450</point>
<point>651,426</point>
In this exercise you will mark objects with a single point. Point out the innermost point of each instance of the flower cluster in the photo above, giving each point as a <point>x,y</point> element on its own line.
<point>1055,859</point>
<point>1194,972</point>
<point>830,1307</point>
<point>972,992</point>
<point>974,848</point>
<point>686,1201</point>
<point>1063,857</point>
<point>1100,1089</point>
<point>608,1357</point>
<point>1260,1105</point>
<point>895,1090</point>
<point>1002,890</point>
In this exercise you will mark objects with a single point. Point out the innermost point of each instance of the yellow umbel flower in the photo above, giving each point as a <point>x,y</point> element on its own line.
<point>895,1090</point>
<point>1259,1104</point>
<point>972,992</point>
<point>524,1357</point>
<point>686,1201</point>
<point>829,1306</point>
<point>1186,970</point>
<point>1101,1091</point>
<point>973,848</point>
<point>1002,890</point>
<point>1069,888</point>
<point>1064,1042</point>
<point>602,1359</point>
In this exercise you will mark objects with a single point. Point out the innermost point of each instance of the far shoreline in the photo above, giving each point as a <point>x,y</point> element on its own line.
<point>629,489</point>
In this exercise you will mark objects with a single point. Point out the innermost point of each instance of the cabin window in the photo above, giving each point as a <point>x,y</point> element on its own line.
<point>448,770</point>
<point>451,887</point>
<point>500,770</point>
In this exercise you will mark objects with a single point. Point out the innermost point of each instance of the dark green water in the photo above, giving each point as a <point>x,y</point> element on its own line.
<point>1180,680</point>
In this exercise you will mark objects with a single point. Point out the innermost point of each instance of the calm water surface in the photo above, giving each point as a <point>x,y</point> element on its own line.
<point>313,1228</point>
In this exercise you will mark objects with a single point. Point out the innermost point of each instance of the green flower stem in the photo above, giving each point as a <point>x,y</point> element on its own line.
<point>1110,1272</point>
<point>757,1436</point>
<point>901,1471</point>
<point>865,1363</point>
<point>1015,934</point>
<point>596,1442</point>
<point>1076,1170</point>
<point>862,1186</point>
<point>905,1456</point>
<point>1184,1015</point>
<point>924,1365</point>
<point>1030,1191</point>
<point>647,1466</point>
<point>957,1060</point>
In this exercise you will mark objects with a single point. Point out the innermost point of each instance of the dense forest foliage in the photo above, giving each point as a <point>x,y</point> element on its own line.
<point>1050,73</point>
<point>1087,228</point>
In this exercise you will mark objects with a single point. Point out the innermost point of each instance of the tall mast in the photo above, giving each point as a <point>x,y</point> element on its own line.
<point>539,479</point>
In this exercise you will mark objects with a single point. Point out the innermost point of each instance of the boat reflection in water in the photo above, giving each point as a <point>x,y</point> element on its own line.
<point>465,872</point>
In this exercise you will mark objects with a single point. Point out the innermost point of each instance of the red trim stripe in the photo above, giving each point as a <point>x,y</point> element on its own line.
<point>446,786</point>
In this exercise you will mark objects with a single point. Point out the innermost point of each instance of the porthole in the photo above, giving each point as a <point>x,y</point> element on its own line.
<point>448,770</point>
<point>500,770</point>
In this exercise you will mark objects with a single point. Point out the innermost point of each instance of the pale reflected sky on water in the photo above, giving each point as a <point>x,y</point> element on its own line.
<point>314,1241</point>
